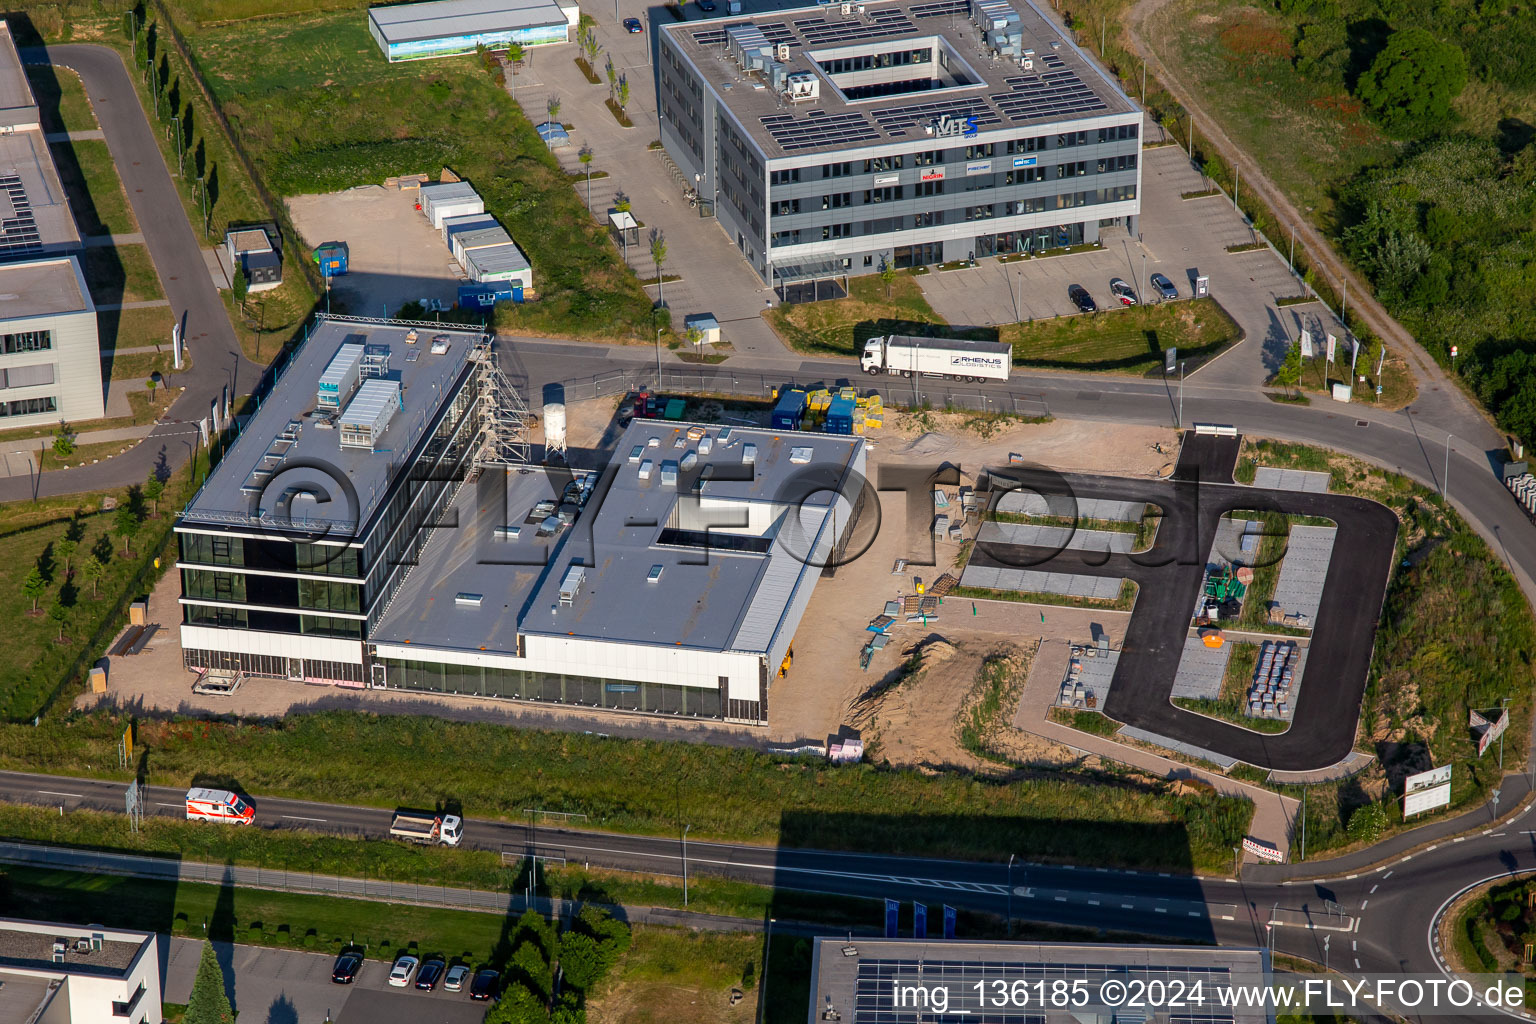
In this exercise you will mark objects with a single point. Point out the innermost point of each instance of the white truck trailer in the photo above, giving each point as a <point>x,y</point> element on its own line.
<point>950,358</point>
<point>418,827</point>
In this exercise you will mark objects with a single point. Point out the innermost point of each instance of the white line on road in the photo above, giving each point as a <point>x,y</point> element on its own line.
<point>1357,963</point>
<point>1061,899</point>
<point>1364,904</point>
<point>1348,877</point>
<point>49,792</point>
<point>1159,910</point>
<point>1387,875</point>
<point>1375,887</point>
<point>1127,906</point>
<point>300,817</point>
<point>1093,903</point>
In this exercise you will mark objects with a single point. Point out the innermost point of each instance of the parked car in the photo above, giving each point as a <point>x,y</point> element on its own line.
<point>632,26</point>
<point>707,6</point>
<point>1081,299</point>
<point>484,986</point>
<point>404,970</point>
<point>1122,291</point>
<point>217,684</point>
<point>431,974</point>
<point>345,971</point>
<point>1164,287</point>
<point>453,981</point>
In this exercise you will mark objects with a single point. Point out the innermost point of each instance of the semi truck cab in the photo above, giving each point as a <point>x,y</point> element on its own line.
<point>873,360</point>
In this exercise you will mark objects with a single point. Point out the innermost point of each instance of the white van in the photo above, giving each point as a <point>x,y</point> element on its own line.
<point>218,805</point>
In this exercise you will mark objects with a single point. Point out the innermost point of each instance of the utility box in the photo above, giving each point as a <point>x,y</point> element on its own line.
<point>98,679</point>
<point>332,258</point>
<point>1341,392</point>
<point>138,613</point>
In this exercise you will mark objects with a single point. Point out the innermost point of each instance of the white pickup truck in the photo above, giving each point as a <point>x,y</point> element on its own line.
<point>418,827</point>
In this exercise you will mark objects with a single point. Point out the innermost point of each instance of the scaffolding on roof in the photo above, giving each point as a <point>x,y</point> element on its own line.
<point>503,439</point>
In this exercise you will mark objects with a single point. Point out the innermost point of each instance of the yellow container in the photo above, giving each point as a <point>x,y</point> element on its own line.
<point>848,392</point>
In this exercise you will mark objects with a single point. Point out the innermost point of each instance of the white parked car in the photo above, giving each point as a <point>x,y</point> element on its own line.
<point>404,970</point>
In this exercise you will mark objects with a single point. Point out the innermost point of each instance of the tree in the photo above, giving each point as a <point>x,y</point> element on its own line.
<point>209,1003</point>
<point>34,586</point>
<point>621,202</point>
<point>151,383</point>
<point>590,48</point>
<point>585,156</point>
<point>1411,83</point>
<point>552,105</point>
<point>239,286</point>
<point>154,489</point>
<point>517,1005</point>
<point>66,549</point>
<point>693,335</point>
<point>125,524</point>
<point>613,76</point>
<point>887,275</point>
<point>64,440</point>
<point>94,569</point>
<point>659,257</point>
<point>58,613</point>
<point>514,58</point>
<point>624,94</point>
<point>1289,374</point>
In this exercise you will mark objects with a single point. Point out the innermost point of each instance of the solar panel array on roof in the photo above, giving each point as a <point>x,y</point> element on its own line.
<point>778,32</point>
<point>819,32</point>
<point>1053,92</point>
<point>896,120</point>
<point>940,9</point>
<point>792,133</point>
<point>18,229</point>
<point>710,37</point>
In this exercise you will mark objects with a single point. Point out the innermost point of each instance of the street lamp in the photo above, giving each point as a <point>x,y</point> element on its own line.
<point>1181,394</point>
<point>658,357</point>
<point>685,863</point>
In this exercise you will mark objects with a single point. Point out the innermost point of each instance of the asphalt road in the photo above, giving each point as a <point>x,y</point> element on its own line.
<point>176,251</point>
<point>1375,920</point>
<point>1169,575</point>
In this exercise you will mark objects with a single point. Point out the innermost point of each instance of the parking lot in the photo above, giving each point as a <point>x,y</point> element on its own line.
<point>279,986</point>
<point>395,253</point>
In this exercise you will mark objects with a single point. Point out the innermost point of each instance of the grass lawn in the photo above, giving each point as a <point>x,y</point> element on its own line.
<point>61,99</point>
<point>259,917</point>
<point>841,326</point>
<point>675,974</point>
<point>135,328</point>
<point>270,317</point>
<point>319,109</point>
<point>1239,65</point>
<point>724,793</point>
<point>1232,703</point>
<point>1121,340</point>
<point>1396,379</point>
<point>121,273</point>
<point>96,195</point>
<point>1084,721</point>
<point>139,365</point>
<point>1125,339</point>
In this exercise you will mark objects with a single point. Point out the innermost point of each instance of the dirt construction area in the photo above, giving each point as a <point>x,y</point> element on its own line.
<point>396,256</point>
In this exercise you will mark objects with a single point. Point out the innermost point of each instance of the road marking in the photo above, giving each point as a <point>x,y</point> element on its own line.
<point>1354,944</point>
<point>1093,903</point>
<point>1459,839</point>
<point>1387,875</point>
<point>1357,963</point>
<point>1364,904</point>
<point>1375,887</point>
<point>1127,906</point>
<point>1227,917</point>
<point>1427,849</point>
<point>1159,910</point>
<point>49,792</point>
<point>300,817</point>
<point>158,804</point>
<point>1194,913</point>
<point>1061,899</point>
<point>1348,877</point>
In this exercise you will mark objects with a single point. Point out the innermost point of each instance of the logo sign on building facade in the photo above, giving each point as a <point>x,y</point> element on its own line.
<point>1025,161</point>
<point>933,174</point>
<point>979,167</point>
<point>1262,850</point>
<point>947,127</point>
<point>1487,731</point>
<point>1426,791</point>
<point>887,179</point>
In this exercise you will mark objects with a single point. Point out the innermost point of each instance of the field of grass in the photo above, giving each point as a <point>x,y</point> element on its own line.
<point>721,792</point>
<point>1084,721</point>
<point>319,109</point>
<point>139,365</point>
<point>1232,703</point>
<point>96,195</point>
<point>1122,341</point>
<point>674,974</point>
<point>122,273</point>
<point>271,317</point>
<point>135,328</point>
<point>1239,64</point>
<point>60,99</point>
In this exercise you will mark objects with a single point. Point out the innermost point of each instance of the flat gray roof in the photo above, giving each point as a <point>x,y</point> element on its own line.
<point>29,945</point>
<point>711,599</point>
<point>291,443</point>
<point>17,104</point>
<point>33,206</point>
<point>405,23</point>
<point>1064,85</point>
<point>854,977</point>
<point>43,288</point>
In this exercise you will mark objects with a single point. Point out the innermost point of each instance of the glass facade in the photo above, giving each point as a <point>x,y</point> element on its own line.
<point>585,691</point>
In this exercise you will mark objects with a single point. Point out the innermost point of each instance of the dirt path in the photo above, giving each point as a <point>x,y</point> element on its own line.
<point>1440,398</point>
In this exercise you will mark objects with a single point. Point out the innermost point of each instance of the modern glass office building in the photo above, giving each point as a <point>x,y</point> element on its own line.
<point>836,137</point>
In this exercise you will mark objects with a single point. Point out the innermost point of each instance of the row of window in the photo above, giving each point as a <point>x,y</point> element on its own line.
<point>657,698</point>
<point>870,61</point>
<point>978,151</point>
<point>274,555</point>
<point>272,622</point>
<point>933,218</point>
<point>28,406</point>
<point>27,341</point>
<point>274,591</point>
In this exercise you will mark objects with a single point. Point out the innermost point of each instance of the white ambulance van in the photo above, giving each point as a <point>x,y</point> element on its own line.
<point>218,805</point>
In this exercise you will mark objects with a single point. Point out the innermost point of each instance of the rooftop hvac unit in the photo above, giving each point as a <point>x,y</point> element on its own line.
<point>340,376</point>
<point>784,53</point>
<point>802,85</point>
<point>847,10</point>
<point>1028,63</point>
<point>572,583</point>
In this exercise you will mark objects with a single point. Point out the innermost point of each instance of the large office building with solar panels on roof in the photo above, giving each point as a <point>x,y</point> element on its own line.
<point>834,137</point>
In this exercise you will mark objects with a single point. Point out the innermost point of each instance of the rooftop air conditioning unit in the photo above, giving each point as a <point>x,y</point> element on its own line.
<point>783,53</point>
<point>847,10</point>
<point>1028,63</point>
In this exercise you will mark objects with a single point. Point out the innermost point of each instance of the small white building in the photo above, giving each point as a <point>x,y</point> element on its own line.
<point>74,974</point>
<point>50,351</point>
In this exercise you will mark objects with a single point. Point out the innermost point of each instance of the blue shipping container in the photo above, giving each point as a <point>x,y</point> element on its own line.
<point>484,296</point>
<point>840,416</point>
<point>790,410</point>
<point>331,258</point>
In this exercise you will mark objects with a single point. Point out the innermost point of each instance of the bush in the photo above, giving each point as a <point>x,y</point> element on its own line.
<point>1367,823</point>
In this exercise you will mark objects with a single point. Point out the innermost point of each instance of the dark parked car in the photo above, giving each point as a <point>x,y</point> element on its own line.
<point>345,971</point>
<point>1122,291</point>
<point>431,974</point>
<point>632,26</point>
<point>1081,299</point>
<point>707,6</point>
<point>1164,287</point>
<point>484,985</point>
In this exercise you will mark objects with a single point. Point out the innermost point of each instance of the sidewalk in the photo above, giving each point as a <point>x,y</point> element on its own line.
<point>1272,813</point>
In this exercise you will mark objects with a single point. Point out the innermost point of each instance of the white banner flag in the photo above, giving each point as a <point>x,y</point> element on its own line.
<point>1306,344</point>
<point>1333,344</point>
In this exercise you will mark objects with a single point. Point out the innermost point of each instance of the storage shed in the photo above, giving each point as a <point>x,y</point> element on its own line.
<point>481,238</point>
<point>499,263</point>
<point>708,327</point>
<point>447,27</point>
<point>466,222</point>
<point>449,199</point>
